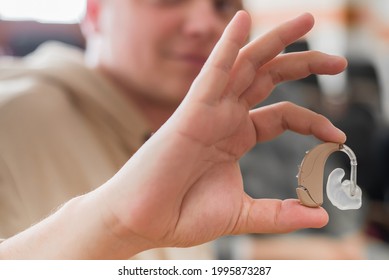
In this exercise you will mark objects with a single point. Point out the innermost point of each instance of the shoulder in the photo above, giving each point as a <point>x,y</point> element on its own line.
<point>31,98</point>
<point>35,85</point>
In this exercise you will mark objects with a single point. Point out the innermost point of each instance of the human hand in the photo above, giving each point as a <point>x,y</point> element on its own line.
<point>184,186</point>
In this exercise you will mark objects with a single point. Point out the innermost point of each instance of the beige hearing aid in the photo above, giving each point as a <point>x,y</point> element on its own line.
<point>344,195</point>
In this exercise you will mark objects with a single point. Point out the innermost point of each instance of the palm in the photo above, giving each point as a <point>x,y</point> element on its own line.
<point>217,198</point>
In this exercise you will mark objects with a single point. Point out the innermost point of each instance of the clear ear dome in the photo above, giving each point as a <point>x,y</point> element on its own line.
<point>344,195</point>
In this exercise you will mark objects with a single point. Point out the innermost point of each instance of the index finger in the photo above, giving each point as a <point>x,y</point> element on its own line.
<point>215,74</point>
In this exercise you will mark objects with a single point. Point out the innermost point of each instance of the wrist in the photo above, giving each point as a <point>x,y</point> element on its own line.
<point>95,233</point>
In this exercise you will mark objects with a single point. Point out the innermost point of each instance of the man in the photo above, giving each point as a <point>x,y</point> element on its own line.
<point>69,128</point>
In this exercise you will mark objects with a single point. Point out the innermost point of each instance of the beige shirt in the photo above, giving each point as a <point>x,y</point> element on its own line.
<point>64,130</point>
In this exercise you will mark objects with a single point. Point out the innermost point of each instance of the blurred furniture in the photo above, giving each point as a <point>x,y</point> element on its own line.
<point>19,38</point>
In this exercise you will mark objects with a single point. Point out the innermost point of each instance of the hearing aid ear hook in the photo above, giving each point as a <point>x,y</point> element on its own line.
<point>344,195</point>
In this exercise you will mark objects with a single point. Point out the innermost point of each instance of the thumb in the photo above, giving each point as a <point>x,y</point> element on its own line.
<point>280,216</point>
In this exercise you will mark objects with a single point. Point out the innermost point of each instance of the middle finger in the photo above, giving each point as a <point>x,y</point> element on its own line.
<point>262,50</point>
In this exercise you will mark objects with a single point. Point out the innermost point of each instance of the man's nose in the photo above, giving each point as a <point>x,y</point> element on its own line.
<point>202,19</point>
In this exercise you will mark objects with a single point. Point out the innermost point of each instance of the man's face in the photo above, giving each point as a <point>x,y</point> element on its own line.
<point>157,47</point>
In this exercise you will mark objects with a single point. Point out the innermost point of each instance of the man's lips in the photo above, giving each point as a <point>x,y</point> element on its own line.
<point>192,59</point>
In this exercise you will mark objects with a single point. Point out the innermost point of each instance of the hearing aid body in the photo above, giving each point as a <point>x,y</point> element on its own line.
<point>344,195</point>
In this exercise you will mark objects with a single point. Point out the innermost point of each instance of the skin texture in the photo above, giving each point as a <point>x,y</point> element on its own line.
<point>183,187</point>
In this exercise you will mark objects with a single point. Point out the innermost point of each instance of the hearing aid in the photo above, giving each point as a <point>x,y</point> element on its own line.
<point>344,195</point>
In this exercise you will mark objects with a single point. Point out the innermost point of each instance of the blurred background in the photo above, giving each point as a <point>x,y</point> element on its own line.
<point>357,101</point>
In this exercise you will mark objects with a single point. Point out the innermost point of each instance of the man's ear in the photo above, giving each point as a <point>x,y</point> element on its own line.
<point>90,23</point>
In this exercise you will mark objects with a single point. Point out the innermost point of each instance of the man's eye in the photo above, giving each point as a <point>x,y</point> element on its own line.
<point>227,7</point>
